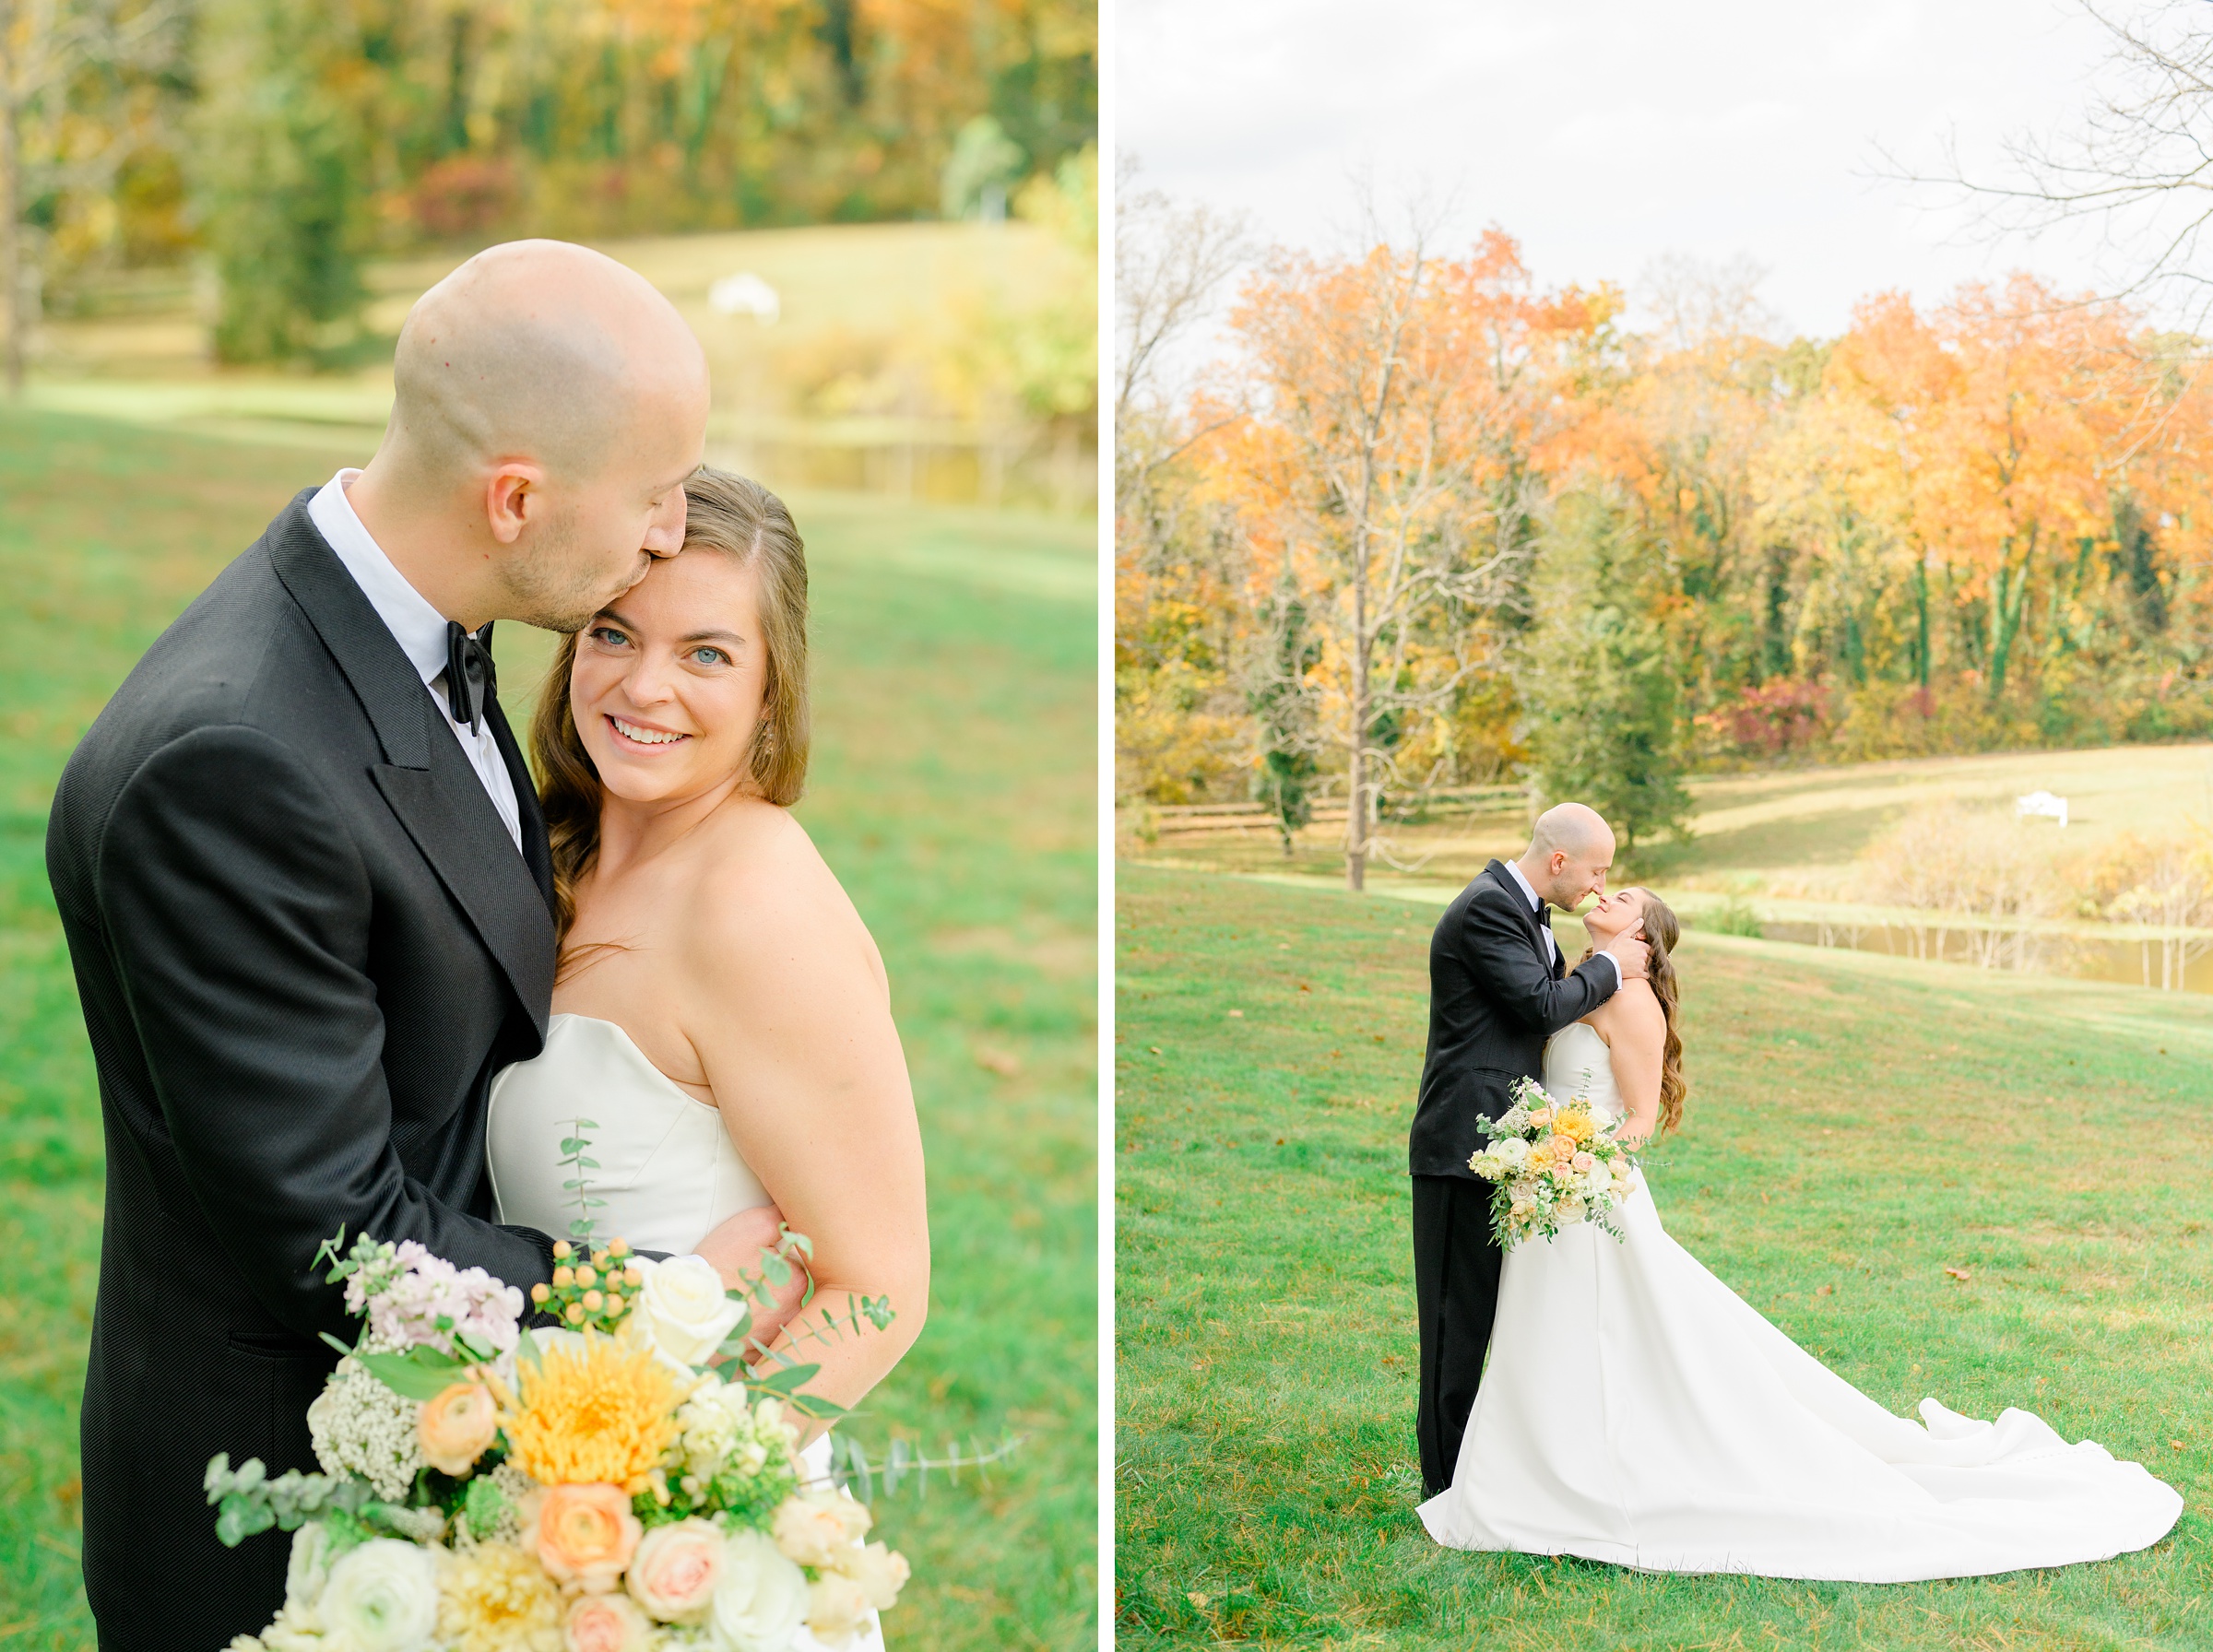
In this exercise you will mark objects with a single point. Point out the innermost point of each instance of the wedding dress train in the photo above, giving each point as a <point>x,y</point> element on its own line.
<point>1636,1411</point>
<point>668,1171</point>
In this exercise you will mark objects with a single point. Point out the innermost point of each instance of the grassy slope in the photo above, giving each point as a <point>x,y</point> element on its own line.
<point>1857,1124</point>
<point>953,793</point>
<point>1792,827</point>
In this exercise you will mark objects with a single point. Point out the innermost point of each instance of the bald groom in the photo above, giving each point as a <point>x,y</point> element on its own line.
<point>306,891</point>
<point>1498,988</point>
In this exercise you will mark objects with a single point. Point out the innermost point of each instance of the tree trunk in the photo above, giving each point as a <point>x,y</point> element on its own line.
<point>11,227</point>
<point>1355,807</point>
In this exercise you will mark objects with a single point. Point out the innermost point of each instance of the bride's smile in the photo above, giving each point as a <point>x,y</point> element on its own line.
<point>670,680</point>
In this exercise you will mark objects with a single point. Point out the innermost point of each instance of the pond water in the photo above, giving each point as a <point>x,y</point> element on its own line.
<point>2130,963</point>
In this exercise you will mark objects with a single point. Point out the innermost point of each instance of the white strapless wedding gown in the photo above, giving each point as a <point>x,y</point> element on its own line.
<point>668,1170</point>
<point>1636,1411</point>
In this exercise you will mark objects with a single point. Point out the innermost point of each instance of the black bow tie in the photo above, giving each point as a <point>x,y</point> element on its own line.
<point>471,684</point>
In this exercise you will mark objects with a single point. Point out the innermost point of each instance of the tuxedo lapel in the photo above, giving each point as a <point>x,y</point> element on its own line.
<point>397,705</point>
<point>452,822</point>
<point>1534,923</point>
<point>425,778</point>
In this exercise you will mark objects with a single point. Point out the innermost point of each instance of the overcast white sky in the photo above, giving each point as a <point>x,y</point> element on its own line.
<point>1606,133</point>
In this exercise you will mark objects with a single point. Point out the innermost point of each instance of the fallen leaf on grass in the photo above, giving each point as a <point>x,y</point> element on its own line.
<point>993,1059</point>
<point>1826,1291</point>
<point>1154,1047</point>
<point>1236,1015</point>
<point>1958,1273</point>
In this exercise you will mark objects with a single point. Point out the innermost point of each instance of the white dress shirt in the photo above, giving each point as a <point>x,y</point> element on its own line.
<point>1552,947</point>
<point>417,628</point>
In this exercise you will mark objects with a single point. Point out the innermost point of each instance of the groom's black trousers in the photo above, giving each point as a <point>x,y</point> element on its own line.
<point>1455,1292</point>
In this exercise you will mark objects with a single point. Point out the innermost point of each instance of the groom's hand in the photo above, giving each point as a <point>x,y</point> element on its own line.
<point>734,1249</point>
<point>1634,956</point>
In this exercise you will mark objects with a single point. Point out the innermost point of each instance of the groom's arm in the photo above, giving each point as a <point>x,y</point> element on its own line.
<point>1504,964</point>
<point>238,913</point>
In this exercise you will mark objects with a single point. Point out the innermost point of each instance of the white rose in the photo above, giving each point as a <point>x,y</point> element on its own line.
<point>880,1572</point>
<point>308,1569</point>
<point>381,1596</point>
<point>836,1608</point>
<point>682,1304</point>
<point>762,1600</point>
<point>1599,1179</point>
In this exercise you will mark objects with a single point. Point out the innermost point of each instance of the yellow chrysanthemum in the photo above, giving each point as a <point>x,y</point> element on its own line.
<point>1576,1123</point>
<point>598,1411</point>
<point>494,1597</point>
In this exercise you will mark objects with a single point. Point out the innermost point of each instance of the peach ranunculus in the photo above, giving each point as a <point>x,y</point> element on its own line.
<point>674,1573</point>
<point>1563,1148</point>
<point>1584,1161</point>
<point>836,1608</point>
<point>584,1535</point>
<point>457,1427</point>
<point>606,1624</point>
<point>815,1527</point>
<point>880,1572</point>
<point>1541,1118</point>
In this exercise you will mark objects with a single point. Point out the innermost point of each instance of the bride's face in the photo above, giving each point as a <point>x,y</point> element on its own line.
<point>1622,910</point>
<point>670,678</point>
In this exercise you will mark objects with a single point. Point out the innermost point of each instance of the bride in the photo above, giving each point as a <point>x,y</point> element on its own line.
<point>1636,1411</point>
<point>721,1015</point>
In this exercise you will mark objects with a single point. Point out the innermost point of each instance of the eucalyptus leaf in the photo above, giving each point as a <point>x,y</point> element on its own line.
<point>412,1377</point>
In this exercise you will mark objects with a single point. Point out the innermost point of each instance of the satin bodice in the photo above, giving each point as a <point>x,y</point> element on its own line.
<point>667,1166</point>
<point>1578,1065</point>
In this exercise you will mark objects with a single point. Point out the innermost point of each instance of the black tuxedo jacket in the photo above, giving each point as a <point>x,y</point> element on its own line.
<point>1495,997</point>
<point>304,944</point>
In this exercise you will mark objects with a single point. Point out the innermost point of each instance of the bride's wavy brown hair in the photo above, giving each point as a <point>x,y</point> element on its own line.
<point>1662,930</point>
<point>724,515</point>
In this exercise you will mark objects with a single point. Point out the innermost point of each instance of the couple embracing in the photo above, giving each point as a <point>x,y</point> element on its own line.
<point>1633,1408</point>
<point>344,967</point>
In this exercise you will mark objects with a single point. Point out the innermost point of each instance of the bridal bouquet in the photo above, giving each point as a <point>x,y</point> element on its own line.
<point>1551,1166</point>
<point>595,1488</point>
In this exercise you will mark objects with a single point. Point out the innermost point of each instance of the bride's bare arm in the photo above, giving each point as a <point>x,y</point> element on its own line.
<point>1636,1029</point>
<point>789,1011</point>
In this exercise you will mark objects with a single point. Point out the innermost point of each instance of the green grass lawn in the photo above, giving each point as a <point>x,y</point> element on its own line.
<point>952,791</point>
<point>1857,1124</point>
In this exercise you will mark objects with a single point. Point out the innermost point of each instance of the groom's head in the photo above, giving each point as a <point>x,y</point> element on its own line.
<point>547,406</point>
<point>1569,854</point>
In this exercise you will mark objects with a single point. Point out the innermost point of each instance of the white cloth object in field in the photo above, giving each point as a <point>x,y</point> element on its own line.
<point>2041,803</point>
<point>667,1169</point>
<point>1636,1411</point>
<point>746,294</point>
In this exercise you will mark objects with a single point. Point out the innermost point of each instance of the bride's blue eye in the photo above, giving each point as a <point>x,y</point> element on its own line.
<point>608,636</point>
<point>710,656</point>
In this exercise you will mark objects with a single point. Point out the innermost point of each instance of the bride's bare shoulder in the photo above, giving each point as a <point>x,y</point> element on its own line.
<point>1634,1011</point>
<point>765,902</point>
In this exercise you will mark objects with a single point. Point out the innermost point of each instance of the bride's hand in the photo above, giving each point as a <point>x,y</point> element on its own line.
<point>734,1251</point>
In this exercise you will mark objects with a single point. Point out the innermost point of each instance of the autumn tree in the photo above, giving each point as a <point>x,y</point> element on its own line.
<point>1179,551</point>
<point>1386,390</point>
<point>79,93</point>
